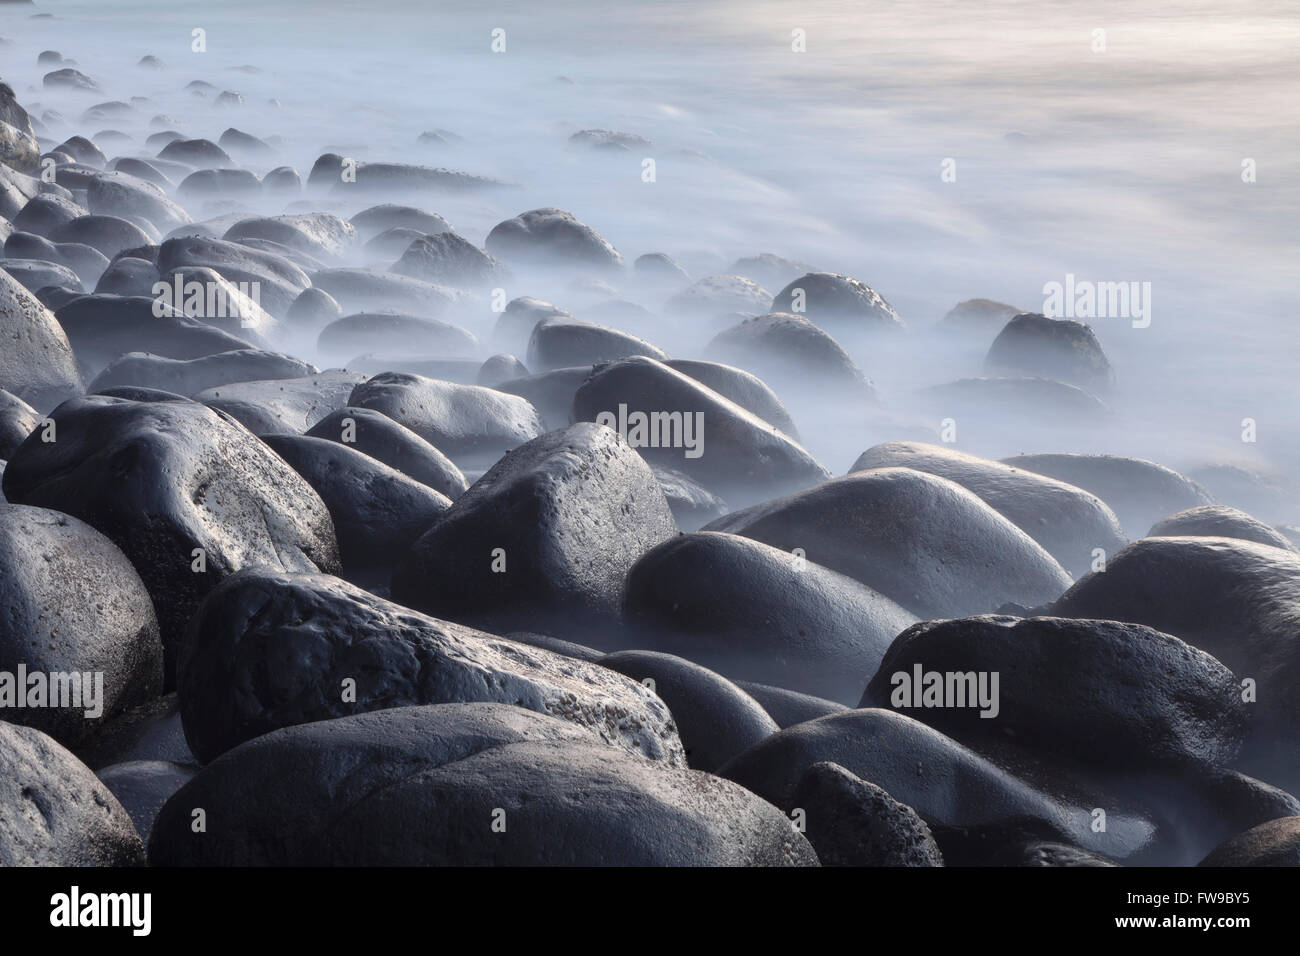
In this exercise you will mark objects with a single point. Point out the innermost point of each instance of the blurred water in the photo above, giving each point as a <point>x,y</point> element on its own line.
<point>1127,166</point>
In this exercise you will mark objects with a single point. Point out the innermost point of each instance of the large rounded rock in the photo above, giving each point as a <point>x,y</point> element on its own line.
<point>468,423</point>
<point>283,406</point>
<point>1235,599</point>
<point>516,323</point>
<point>1107,694</point>
<point>788,707</point>
<point>37,274</point>
<point>279,281</point>
<point>715,718</point>
<point>188,495</point>
<point>790,350</point>
<point>267,650</point>
<point>1067,521</point>
<point>17,421</point>
<point>464,785</point>
<point>319,234</point>
<point>1218,521</point>
<point>377,511</point>
<point>143,787</point>
<point>752,612</point>
<point>109,234</point>
<point>102,328</point>
<point>1032,344</point>
<point>1275,843</point>
<point>370,222</point>
<point>386,331</point>
<point>37,363</point>
<point>53,810</point>
<point>748,391</point>
<point>714,296</point>
<point>122,195</point>
<point>972,805</point>
<point>361,290</point>
<point>551,237</point>
<point>542,541</point>
<point>375,434</point>
<point>187,376</point>
<point>551,393</point>
<point>923,541</point>
<point>851,822</point>
<point>450,259</point>
<point>827,298</point>
<point>564,342</point>
<point>43,214</point>
<point>727,449</point>
<point>1139,492</point>
<point>77,615</point>
<point>128,276</point>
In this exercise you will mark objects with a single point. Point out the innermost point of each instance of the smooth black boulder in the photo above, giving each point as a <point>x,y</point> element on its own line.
<point>408,334</point>
<point>377,511</point>
<point>102,328</point>
<point>564,342</point>
<point>450,259</point>
<point>54,811</point>
<point>715,719</point>
<point>728,449</point>
<point>833,300</point>
<point>1275,843</point>
<point>1235,599</point>
<point>37,363</point>
<point>188,376</point>
<point>551,237</point>
<point>143,787</point>
<point>851,822</point>
<point>286,406</point>
<point>376,219</point>
<point>550,393</point>
<point>361,290</point>
<point>1068,522</point>
<point>109,234</point>
<point>789,707</point>
<point>1103,693</point>
<point>74,607</point>
<point>923,541</point>
<point>793,352</point>
<point>543,540</point>
<point>1218,521</point>
<point>188,495</point>
<point>279,281</point>
<point>972,805</point>
<point>17,421</point>
<point>375,434</point>
<point>464,784</point>
<point>467,423</point>
<point>1139,492</point>
<point>1033,344</point>
<point>740,386</point>
<point>752,612</point>
<point>128,276</point>
<point>267,650</point>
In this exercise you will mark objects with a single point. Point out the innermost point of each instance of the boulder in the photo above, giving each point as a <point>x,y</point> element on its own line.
<point>543,540</point>
<point>923,541</point>
<point>268,650</point>
<point>754,613</point>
